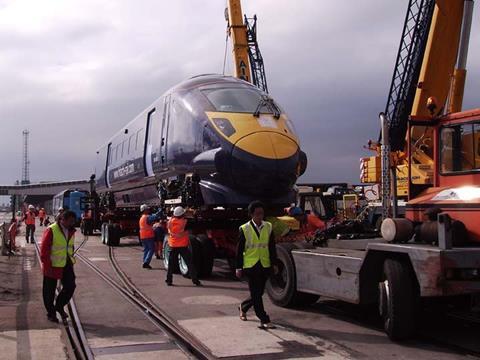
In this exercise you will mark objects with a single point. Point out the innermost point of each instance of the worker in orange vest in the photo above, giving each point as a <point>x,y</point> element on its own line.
<point>178,239</point>
<point>29,219</point>
<point>147,233</point>
<point>41,216</point>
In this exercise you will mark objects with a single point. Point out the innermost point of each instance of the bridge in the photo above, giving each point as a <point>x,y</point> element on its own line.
<point>44,188</point>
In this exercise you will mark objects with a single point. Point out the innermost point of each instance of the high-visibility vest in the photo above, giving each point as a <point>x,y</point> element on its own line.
<point>61,247</point>
<point>30,218</point>
<point>146,230</point>
<point>256,248</point>
<point>178,236</point>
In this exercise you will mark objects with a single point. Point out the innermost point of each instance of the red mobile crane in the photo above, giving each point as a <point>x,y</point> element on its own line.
<point>435,250</point>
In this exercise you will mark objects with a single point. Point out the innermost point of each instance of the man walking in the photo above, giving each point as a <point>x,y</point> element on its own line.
<point>57,259</point>
<point>256,254</point>
<point>178,239</point>
<point>29,219</point>
<point>147,233</point>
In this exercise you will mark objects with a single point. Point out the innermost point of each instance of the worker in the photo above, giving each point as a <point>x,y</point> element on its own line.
<point>147,234</point>
<point>309,223</point>
<point>178,240</point>
<point>12,234</point>
<point>59,215</point>
<point>256,254</point>
<point>29,219</point>
<point>57,260</point>
<point>41,215</point>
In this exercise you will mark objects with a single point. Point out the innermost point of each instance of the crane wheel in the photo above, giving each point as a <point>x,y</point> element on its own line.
<point>398,300</point>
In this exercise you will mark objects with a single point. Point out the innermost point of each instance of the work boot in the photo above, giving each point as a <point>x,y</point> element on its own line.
<point>146,266</point>
<point>52,318</point>
<point>62,313</point>
<point>169,283</point>
<point>267,326</point>
<point>197,283</point>
<point>157,256</point>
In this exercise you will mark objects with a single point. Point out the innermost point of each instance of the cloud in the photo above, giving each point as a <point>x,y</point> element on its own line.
<point>74,72</point>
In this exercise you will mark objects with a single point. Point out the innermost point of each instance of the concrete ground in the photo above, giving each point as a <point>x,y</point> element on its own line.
<point>25,332</point>
<point>328,329</point>
<point>117,330</point>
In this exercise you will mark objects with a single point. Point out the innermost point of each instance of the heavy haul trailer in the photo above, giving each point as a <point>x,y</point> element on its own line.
<point>434,252</point>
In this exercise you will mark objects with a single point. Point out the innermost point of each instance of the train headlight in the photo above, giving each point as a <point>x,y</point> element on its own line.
<point>224,126</point>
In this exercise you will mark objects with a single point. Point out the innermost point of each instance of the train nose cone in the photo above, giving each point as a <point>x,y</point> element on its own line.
<point>265,163</point>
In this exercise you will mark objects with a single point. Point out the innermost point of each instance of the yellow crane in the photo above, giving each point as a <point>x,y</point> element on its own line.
<point>437,89</point>
<point>247,58</point>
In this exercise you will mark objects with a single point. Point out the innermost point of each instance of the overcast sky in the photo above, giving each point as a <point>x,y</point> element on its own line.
<point>74,72</point>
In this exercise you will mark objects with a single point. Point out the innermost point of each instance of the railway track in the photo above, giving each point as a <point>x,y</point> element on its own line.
<point>125,288</point>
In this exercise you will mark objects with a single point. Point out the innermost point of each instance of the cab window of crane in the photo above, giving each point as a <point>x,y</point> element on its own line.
<point>239,100</point>
<point>460,148</point>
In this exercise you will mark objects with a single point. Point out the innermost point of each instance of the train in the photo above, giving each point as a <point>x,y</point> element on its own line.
<point>213,140</point>
<point>212,144</point>
<point>73,200</point>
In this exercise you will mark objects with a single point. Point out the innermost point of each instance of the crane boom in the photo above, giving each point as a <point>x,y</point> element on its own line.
<point>238,31</point>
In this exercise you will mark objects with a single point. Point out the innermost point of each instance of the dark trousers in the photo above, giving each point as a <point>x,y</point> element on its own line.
<point>257,278</point>
<point>184,252</point>
<point>68,288</point>
<point>29,231</point>
<point>41,221</point>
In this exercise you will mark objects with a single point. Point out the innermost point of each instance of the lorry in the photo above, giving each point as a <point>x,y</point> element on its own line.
<point>433,252</point>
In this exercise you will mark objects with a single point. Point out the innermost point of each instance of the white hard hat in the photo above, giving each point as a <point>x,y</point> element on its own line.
<point>143,207</point>
<point>31,207</point>
<point>60,209</point>
<point>178,211</point>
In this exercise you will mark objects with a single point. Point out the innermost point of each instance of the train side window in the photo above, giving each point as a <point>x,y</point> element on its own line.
<point>457,148</point>
<point>139,141</point>
<point>116,154</point>
<point>130,143</point>
<point>124,148</point>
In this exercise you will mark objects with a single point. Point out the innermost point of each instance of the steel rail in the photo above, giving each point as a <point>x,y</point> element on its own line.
<point>157,316</point>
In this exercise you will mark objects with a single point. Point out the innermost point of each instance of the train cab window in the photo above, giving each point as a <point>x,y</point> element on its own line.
<point>459,148</point>
<point>234,99</point>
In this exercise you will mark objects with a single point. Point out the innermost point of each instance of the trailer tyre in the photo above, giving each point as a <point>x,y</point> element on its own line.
<point>281,287</point>
<point>398,300</point>
<point>117,234</point>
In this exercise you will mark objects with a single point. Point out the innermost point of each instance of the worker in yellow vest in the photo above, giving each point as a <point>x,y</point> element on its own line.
<point>147,233</point>
<point>256,257</point>
<point>178,240</point>
<point>56,254</point>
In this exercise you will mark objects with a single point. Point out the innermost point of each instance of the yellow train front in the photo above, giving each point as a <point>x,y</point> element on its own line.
<point>212,140</point>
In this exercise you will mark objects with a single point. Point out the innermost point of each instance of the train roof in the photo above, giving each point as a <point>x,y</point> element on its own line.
<point>191,83</point>
<point>208,79</point>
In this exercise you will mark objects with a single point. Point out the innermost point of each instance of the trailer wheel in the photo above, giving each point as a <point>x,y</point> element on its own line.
<point>117,234</point>
<point>207,251</point>
<point>398,300</point>
<point>281,287</point>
